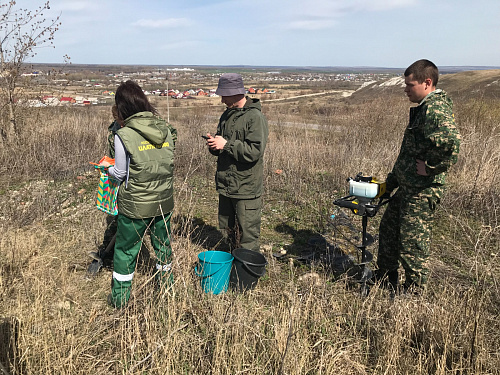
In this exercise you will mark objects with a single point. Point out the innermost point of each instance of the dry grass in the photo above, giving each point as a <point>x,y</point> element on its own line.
<point>285,325</point>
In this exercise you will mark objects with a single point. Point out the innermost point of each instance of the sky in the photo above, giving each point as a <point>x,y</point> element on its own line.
<point>340,33</point>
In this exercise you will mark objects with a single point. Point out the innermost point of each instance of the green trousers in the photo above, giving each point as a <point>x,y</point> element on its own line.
<point>245,212</point>
<point>405,233</point>
<point>128,243</point>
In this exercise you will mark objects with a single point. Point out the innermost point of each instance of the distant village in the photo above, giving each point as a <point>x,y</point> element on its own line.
<point>51,100</point>
<point>159,78</point>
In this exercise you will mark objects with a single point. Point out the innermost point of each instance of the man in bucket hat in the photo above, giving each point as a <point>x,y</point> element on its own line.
<point>239,145</point>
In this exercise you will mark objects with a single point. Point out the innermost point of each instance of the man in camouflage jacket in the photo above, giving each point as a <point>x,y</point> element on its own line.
<point>430,146</point>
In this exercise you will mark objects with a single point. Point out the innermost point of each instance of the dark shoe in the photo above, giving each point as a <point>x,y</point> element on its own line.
<point>386,279</point>
<point>411,289</point>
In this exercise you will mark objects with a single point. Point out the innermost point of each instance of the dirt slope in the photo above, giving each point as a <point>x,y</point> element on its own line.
<point>480,83</point>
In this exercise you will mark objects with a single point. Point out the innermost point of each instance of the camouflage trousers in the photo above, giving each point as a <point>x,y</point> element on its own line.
<point>405,232</point>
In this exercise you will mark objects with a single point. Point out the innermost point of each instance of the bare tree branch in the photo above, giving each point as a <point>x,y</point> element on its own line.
<point>22,31</point>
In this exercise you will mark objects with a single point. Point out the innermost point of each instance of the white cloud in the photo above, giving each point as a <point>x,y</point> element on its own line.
<point>162,24</point>
<point>337,7</point>
<point>324,14</point>
<point>379,5</point>
<point>311,24</point>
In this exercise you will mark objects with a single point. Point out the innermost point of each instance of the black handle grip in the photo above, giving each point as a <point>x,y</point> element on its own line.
<point>346,204</point>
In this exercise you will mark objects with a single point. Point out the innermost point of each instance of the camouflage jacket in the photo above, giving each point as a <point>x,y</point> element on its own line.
<point>431,136</point>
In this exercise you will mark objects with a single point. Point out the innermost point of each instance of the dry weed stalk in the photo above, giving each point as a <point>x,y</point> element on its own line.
<point>284,325</point>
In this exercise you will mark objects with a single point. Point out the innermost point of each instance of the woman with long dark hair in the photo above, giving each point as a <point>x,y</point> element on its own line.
<point>144,162</point>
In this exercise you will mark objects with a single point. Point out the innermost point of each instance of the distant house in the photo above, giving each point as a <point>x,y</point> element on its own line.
<point>50,100</point>
<point>33,74</point>
<point>35,103</point>
<point>251,90</point>
<point>67,100</point>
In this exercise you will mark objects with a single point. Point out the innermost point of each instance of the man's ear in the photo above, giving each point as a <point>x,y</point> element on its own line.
<point>428,82</point>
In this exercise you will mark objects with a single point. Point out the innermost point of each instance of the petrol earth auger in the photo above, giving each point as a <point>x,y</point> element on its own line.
<point>366,197</point>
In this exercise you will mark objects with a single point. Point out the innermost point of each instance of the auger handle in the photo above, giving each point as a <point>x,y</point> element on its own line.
<point>346,204</point>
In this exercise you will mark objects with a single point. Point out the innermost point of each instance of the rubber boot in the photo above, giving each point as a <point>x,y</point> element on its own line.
<point>387,279</point>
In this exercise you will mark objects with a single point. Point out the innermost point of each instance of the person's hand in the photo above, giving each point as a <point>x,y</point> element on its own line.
<point>104,164</point>
<point>386,195</point>
<point>216,143</point>
<point>421,168</point>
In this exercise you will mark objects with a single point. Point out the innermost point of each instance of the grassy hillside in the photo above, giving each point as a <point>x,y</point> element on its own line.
<point>481,84</point>
<point>300,319</point>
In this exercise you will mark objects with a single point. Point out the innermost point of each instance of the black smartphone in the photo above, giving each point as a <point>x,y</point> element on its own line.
<point>205,137</point>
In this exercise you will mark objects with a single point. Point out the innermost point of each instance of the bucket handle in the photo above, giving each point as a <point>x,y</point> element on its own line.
<point>200,275</point>
<point>252,272</point>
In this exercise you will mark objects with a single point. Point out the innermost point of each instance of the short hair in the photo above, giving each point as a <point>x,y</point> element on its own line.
<point>130,99</point>
<point>423,69</point>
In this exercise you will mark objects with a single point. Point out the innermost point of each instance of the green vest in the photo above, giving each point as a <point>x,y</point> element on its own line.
<point>148,191</point>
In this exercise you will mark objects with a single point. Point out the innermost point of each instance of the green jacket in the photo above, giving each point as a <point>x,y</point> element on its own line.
<point>111,138</point>
<point>240,163</point>
<point>431,136</point>
<point>149,142</point>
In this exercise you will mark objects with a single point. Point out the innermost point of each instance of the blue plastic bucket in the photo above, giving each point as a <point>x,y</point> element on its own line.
<point>213,269</point>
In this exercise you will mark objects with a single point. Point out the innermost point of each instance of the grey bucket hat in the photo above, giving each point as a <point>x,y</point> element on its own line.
<point>230,84</point>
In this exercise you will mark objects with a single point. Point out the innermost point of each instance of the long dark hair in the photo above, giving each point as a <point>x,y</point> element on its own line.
<point>130,99</point>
